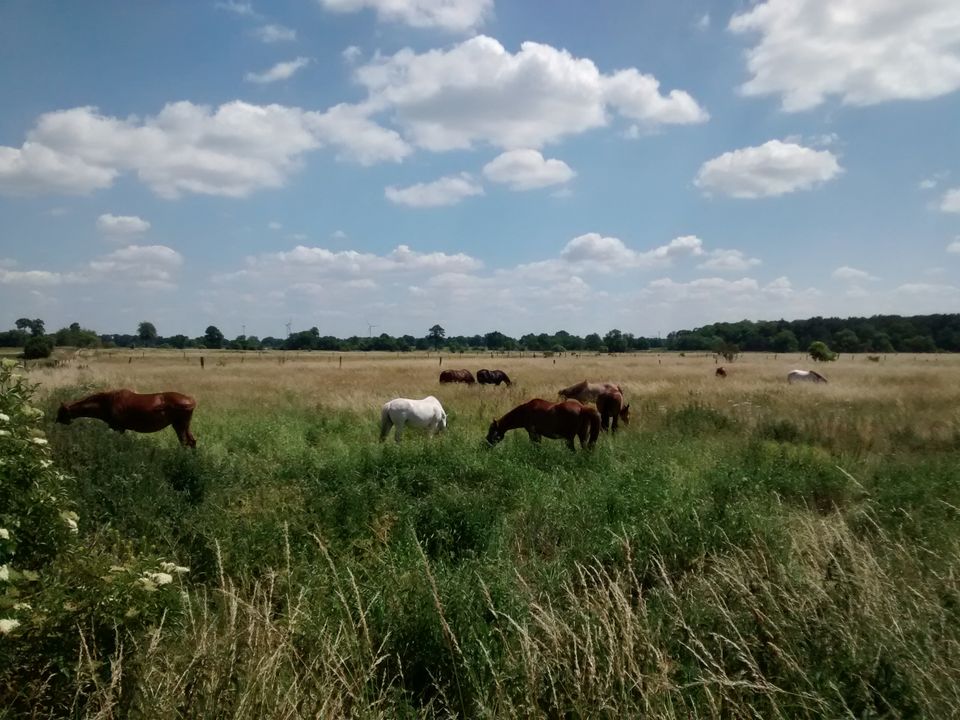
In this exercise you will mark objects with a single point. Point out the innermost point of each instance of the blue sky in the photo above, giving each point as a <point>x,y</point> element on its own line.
<point>486,165</point>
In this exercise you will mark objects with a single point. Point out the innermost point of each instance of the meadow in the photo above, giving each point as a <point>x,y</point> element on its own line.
<point>744,548</point>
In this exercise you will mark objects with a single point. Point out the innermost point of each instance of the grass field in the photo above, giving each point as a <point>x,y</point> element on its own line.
<point>744,548</point>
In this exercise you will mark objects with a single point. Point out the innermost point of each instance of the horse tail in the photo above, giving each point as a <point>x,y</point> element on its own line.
<point>386,422</point>
<point>594,418</point>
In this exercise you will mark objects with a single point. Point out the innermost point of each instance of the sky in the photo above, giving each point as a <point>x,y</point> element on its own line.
<point>369,166</point>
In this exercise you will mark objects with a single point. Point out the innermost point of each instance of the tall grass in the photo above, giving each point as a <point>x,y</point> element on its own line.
<point>743,549</point>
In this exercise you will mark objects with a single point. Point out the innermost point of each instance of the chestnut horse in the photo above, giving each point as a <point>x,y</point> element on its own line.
<point>492,377</point>
<point>457,376</point>
<point>542,418</point>
<point>126,410</point>
<point>587,391</point>
<point>721,372</point>
<point>610,404</point>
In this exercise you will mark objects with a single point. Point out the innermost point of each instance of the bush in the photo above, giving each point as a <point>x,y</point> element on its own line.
<point>820,352</point>
<point>38,346</point>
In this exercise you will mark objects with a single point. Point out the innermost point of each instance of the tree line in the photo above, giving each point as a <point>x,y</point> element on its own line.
<point>879,334</point>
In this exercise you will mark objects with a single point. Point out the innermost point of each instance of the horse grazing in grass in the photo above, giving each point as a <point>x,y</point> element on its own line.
<point>493,377</point>
<point>587,391</point>
<point>126,410</point>
<point>720,373</point>
<point>805,376</point>
<point>427,413</point>
<point>611,406</point>
<point>541,418</point>
<point>457,376</point>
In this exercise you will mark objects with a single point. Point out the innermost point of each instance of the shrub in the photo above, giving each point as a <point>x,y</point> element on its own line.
<point>38,346</point>
<point>820,352</point>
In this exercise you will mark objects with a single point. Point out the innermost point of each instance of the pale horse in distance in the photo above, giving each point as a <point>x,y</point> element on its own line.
<point>805,376</point>
<point>427,413</point>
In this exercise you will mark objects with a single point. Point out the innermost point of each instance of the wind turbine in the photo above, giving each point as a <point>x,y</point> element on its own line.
<point>370,328</point>
<point>289,324</point>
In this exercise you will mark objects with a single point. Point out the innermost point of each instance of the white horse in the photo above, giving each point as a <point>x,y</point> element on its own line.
<point>805,376</point>
<point>427,413</point>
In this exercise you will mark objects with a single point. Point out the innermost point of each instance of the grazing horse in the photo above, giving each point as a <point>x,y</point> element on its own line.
<point>805,376</point>
<point>492,377</point>
<point>542,418</point>
<point>611,406</point>
<point>457,376</point>
<point>126,410</point>
<point>721,372</point>
<point>587,391</point>
<point>427,413</point>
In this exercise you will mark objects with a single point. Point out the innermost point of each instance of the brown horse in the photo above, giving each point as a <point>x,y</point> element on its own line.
<point>542,418</point>
<point>457,376</point>
<point>126,410</point>
<point>492,377</point>
<point>587,391</point>
<point>721,373</point>
<point>610,404</point>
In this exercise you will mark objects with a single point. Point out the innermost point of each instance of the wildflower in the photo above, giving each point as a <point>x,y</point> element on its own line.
<point>173,568</point>
<point>4,572</point>
<point>4,432</point>
<point>4,417</point>
<point>8,363</point>
<point>4,534</point>
<point>31,411</point>
<point>38,441</point>
<point>70,518</point>
<point>46,463</point>
<point>8,624</point>
<point>160,578</point>
<point>22,606</point>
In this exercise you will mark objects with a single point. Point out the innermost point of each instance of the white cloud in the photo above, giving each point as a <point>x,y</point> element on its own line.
<point>351,54</point>
<point>280,71</point>
<point>449,190</point>
<point>950,202</point>
<point>274,225</point>
<point>30,278</point>
<point>452,15</point>
<point>231,150</point>
<point>338,235</point>
<point>238,7</point>
<point>477,91</point>
<point>275,33</point>
<point>147,266</point>
<point>849,274</point>
<point>527,170</point>
<point>122,225</point>
<point>862,51</point>
<point>721,260</point>
<point>774,168</point>
<point>610,254</point>
<point>703,22</point>
<point>954,247</point>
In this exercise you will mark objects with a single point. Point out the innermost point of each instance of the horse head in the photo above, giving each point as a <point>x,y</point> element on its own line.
<point>63,415</point>
<point>494,434</point>
<point>625,414</point>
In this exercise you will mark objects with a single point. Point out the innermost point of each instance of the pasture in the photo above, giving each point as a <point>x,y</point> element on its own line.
<point>744,548</point>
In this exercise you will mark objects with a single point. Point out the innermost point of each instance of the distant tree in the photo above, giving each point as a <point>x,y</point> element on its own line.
<point>785,342</point>
<point>436,334</point>
<point>147,333</point>
<point>820,352</point>
<point>881,343</point>
<point>36,327</point>
<point>213,338</point>
<point>846,340</point>
<point>615,341</point>
<point>38,346</point>
<point>920,343</point>
<point>592,342</point>
<point>179,341</point>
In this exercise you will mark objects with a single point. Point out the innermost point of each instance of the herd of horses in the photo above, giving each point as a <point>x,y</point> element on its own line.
<point>569,419</point>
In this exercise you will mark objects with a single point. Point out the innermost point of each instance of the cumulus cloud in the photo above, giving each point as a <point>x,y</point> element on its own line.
<point>527,170</point>
<point>850,274</point>
<point>449,190</point>
<point>611,254</point>
<point>452,15</point>
<point>774,168</point>
<point>238,7</point>
<point>351,54</point>
<point>954,247</point>
<point>721,260</point>
<point>146,266</point>
<point>862,51</point>
<point>950,202</point>
<point>231,150</point>
<point>477,91</point>
<point>280,71</point>
<point>275,34</point>
<point>122,225</point>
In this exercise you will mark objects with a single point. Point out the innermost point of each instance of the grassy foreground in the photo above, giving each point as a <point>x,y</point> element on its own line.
<point>744,549</point>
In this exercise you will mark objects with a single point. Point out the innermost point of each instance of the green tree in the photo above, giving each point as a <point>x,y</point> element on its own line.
<point>615,341</point>
<point>436,334</point>
<point>593,341</point>
<point>147,333</point>
<point>846,340</point>
<point>212,337</point>
<point>36,326</point>
<point>819,351</point>
<point>785,342</point>
<point>38,346</point>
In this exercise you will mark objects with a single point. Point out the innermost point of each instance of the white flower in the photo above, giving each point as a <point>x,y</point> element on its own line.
<point>22,606</point>
<point>46,463</point>
<point>4,432</point>
<point>4,572</point>
<point>38,441</point>
<point>31,411</point>
<point>70,518</point>
<point>8,624</point>
<point>4,417</point>
<point>4,534</point>
<point>173,568</point>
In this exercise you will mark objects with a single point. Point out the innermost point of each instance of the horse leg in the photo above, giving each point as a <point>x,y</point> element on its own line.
<point>385,424</point>
<point>398,432</point>
<point>616,422</point>
<point>605,422</point>
<point>534,436</point>
<point>183,432</point>
<point>571,444</point>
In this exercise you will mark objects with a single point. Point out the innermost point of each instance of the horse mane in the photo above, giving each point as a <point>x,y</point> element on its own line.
<point>818,375</point>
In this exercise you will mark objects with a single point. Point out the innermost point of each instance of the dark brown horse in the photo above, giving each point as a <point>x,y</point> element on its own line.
<point>492,377</point>
<point>587,391</point>
<point>126,410</point>
<point>542,418</point>
<point>457,376</point>
<point>721,372</point>
<point>611,405</point>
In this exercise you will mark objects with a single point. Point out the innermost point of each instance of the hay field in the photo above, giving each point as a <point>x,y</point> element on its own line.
<point>744,548</point>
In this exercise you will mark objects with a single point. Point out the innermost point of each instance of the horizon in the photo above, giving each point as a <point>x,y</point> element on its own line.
<point>473,163</point>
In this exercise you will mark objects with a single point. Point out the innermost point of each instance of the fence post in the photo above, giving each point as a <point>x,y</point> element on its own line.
<point>201,362</point>
<point>341,361</point>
